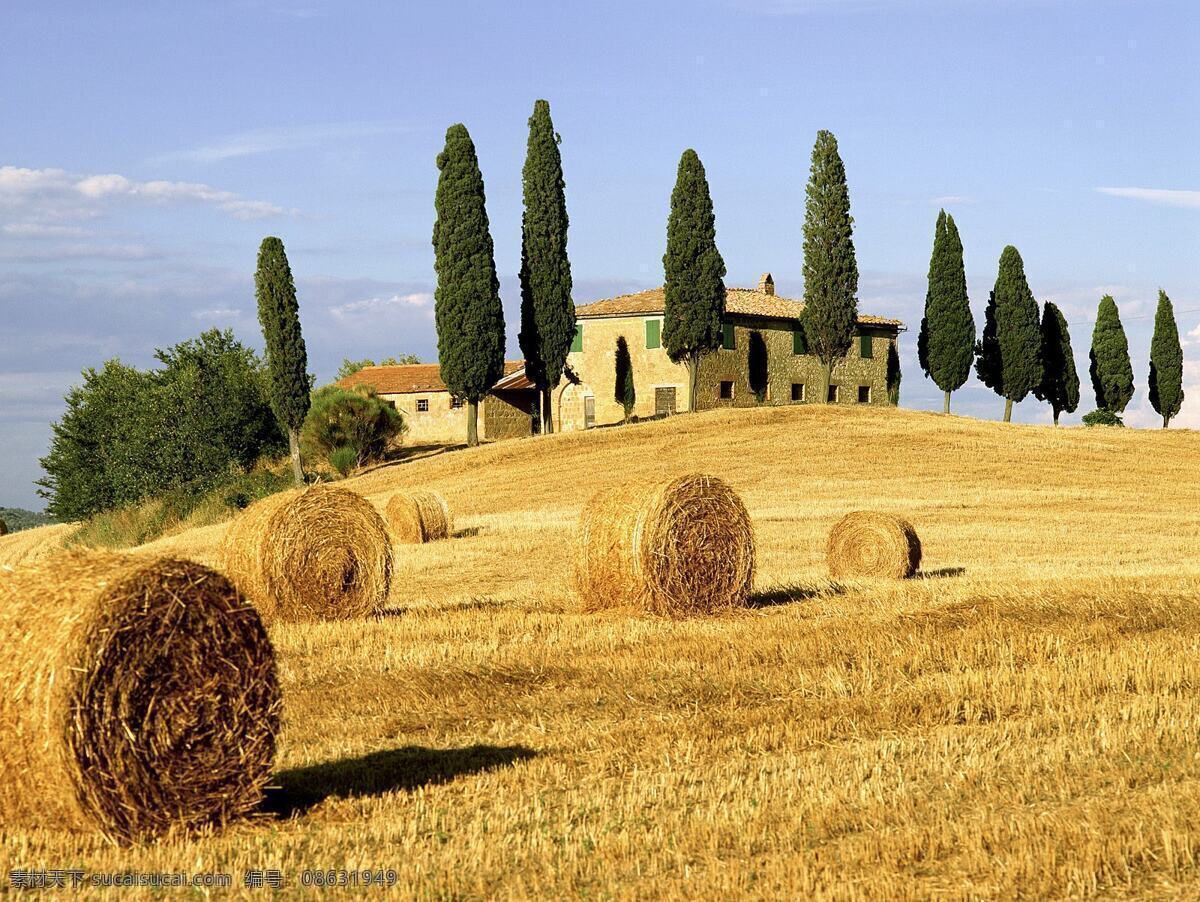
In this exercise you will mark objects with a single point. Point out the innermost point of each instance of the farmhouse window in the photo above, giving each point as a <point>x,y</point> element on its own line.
<point>797,391</point>
<point>725,391</point>
<point>864,394</point>
<point>833,394</point>
<point>423,405</point>
<point>864,347</point>
<point>727,339</point>
<point>653,336</point>
<point>799,342</point>
<point>577,341</point>
<point>455,402</point>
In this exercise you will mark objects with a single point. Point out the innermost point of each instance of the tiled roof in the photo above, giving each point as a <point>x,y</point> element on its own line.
<point>409,378</point>
<point>742,301</point>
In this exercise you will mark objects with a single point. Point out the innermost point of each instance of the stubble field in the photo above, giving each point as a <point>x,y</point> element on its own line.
<point>1021,721</point>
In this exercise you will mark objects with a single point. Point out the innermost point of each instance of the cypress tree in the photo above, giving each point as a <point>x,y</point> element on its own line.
<point>287,359</point>
<point>624,392</point>
<point>467,311</point>
<point>1166,362</point>
<point>946,344</point>
<point>695,272</point>
<point>1112,373</point>
<point>893,374</point>
<point>1009,356</point>
<point>1060,382</point>
<point>830,269</point>
<point>547,311</point>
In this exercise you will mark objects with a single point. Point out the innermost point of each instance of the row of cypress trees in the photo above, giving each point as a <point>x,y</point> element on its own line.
<point>1021,352</point>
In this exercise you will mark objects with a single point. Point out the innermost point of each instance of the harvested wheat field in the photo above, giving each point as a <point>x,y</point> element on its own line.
<point>1021,719</point>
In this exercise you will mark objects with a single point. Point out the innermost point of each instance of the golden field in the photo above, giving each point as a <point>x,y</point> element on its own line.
<point>1021,722</point>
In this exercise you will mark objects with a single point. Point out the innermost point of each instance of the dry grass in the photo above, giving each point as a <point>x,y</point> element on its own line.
<point>870,544</point>
<point>1021,721</point>
<point>29,545</point>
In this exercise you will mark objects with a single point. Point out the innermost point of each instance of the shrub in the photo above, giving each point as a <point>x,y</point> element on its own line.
<point>356,419</point>
<point>343,460</point>
<point>1102,417</point>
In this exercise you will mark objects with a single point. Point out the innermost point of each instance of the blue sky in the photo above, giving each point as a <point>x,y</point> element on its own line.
<point>148,147</point>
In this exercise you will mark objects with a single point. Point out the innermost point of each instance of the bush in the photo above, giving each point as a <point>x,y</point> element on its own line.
<point>1102,417</point>
<point>343,460</point>
<point>355,424</point>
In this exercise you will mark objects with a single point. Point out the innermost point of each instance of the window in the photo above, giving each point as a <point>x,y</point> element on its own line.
<point>797,391</point>
<point>577,341</point>
<point>455,402</point>
<point>653,333</point>
<point>833,394</point>
<point>423,405</point>
<point>725,391</point>
<point>864,347</point>
<point>799,341</point>
<point>864,394</point>
<point>727,339</point>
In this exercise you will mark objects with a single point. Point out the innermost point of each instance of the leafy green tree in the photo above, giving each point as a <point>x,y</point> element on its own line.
<point>467,311</point>
<point>946,344</point>
<point>1111,370</point>
<point>830,268</point>
<point>695,273</point>
<point>1166,362</point>
<point>624,392</point>
<point>1060,382</point>
<point>756,361</point>
<point>350,367</point>
<point>355,419</point>
<point>1102,417</point>
<point>547,311</point>
<point>1009,355</point>
<point>287,358</point>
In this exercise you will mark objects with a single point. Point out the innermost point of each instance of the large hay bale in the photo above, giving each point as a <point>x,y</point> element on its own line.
<point>320,553</point>
<point>138,695</point>
<point>673,547</point>
<point>416,517</point>
<point>873,544</point>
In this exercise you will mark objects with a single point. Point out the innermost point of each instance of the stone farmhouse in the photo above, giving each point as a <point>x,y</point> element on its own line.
<point>433,417</point>
<point>753,317</point>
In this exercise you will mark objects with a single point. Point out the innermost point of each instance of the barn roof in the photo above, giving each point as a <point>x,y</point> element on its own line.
<point>411,377</point>
<point>738,301</point>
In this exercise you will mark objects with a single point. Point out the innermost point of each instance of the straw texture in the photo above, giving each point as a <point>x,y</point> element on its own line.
<point>674,547</point>
<point>320,553</point>
<point>138,696</point>
<point>416,517</point>
<point>873,544</point>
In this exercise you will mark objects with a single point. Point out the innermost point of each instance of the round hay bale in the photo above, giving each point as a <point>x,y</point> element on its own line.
<point>320,553</point>
<point>139,695</point>
<point>673,547</point>
<point>416,517</point>
<point>873,544</point>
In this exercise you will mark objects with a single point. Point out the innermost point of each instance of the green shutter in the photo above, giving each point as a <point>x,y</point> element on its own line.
<point>864,347</point>
<point>652,334</point>
<point>577,341</point>
<point>799,343</point>
<point>727,341</point>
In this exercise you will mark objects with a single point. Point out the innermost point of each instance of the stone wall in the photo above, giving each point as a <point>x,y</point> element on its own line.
<point>441,424</point>
<point>509,414</point>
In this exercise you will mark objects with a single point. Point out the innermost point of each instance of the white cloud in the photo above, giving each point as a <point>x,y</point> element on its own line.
<point>806,7</point>
<point>376,304</point>
<point>947,200</point>
<point>1191,339</point>
<point>80,251</point>
<point>42,230</point>
<point>55,194</point>
<point>1169,197</point>
<point>269,140</point>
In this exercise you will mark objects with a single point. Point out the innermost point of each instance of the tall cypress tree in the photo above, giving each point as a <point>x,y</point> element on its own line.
<point>467,311</point>
<point>287,358</point>
<point>830,268</point>
<point>1112,372</point>
<point>695,273</point>
<point>547,311</point>
<point>946,344</point>
<point>1009,356</point>
<point>1060,382</point>
<point>624,392</point>
<point>1166,362</point>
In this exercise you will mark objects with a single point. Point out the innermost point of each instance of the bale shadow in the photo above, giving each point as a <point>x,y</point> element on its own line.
<point>778,595</point>
<point>467,532</point>
<point>943,573</point>
<point>470,604</point>
<point>404,769</point>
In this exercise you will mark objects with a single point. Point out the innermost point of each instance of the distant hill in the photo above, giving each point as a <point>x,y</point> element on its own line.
<point>18,518</point>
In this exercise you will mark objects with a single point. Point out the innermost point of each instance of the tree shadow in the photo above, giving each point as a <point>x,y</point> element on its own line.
<point>397,770</point>
<point>778,595</point>
<point>943,573</point>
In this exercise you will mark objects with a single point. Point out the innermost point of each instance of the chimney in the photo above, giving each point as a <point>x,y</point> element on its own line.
<point>766,284</point>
